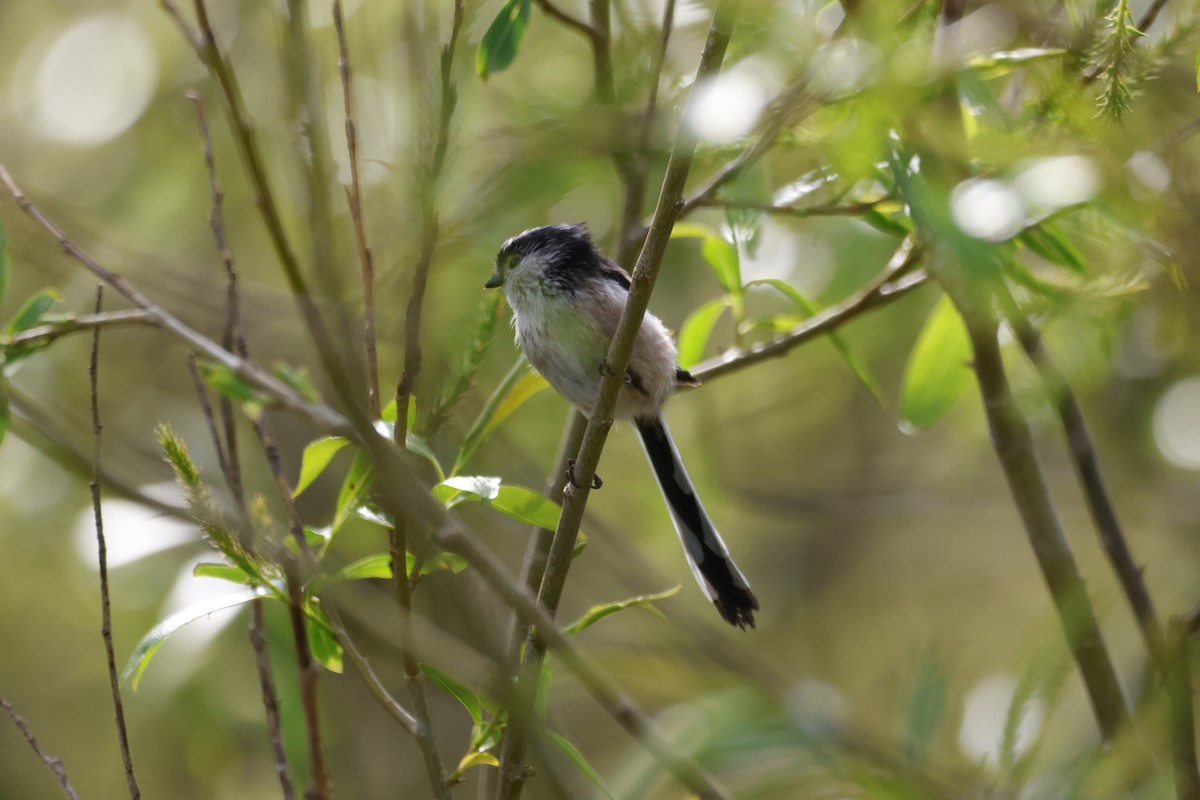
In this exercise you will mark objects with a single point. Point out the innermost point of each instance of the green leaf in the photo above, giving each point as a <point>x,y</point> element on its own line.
<point>721,256</point>
<point>807,308</point>
<point>460,488</point>
<point>1198,70</point>
<point>1047,242</point>
<point>937,372</point>
<point>499,45</point>
<point>315,458</point>
<point>926,707</point>
<point>354,490</point>
<point>322,642</point>
<point>32,310</point>
<point>476,758</point>
<point>415,444</point>
<point>597,613</point>
<point>146,648</point>
<point>520,384</point>
<point>526,505</point>
<point>299,379</point>
<point>696,330</point>
<point>376,566</point>
<point>472,702</point>
<point>224,572</point>
<point>572,753</point>
<point>227,382</point>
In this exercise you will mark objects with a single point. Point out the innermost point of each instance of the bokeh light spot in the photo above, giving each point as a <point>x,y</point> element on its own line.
<point>726,107</point>
<point>1177,424</point>
<point>94,81</point>
<point>985,714</point>
<point>1051,183</point>
<point>987,209</point>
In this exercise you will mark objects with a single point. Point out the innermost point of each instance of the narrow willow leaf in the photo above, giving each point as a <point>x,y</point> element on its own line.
<point>499,45</point>
<point>376,566</point>
<point>723,258</point>
<point>315,458</point>
<point>145,649</point>
<point>572,753</point>
<point>227,382</point>
<point>520,384</point>
<point>31,311</point>
<point>526,505</point>
<point>299,379</point>
<point>470,700</point>
<point>1047,242</point>
<point>697,329</point>
<point>224,572</point>
<point>925,708</point>
<point>322,642</point>
<point>937,372</point>
<point>809,309</point>
<point>482,487</point>
<point>597,613</point>
<point>354,490</point>
<point>476,758</point>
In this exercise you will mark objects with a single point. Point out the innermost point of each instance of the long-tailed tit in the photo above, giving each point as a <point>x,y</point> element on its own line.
<point>567,299</point>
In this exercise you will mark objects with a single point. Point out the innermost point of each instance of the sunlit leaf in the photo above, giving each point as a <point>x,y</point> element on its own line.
<point>575,757</point>
<point>520,384</point>
<point>696,330</point>
<point>938,370</point>
<point>720,255</point>
<point>315,458</point>
<point>499,45</point>
<point>322,642</point>
<point>146,648</point>
<point>597,613</point>
<point>526,505</point>
<point>354,490</point>
<point>809,309</point>
<point>477,758</point>
<point>224,572</point>
<point>376,566</point>
<point>455,490</point>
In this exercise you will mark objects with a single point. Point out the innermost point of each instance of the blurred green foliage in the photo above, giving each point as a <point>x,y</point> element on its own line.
<point>906,647</point>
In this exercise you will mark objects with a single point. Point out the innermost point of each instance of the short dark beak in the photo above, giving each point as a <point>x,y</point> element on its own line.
<point>494,281</point>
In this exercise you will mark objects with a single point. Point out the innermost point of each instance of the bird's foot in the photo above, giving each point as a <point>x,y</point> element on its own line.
<point>596,482</point>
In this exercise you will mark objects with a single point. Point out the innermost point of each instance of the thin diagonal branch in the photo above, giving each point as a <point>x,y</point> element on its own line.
<point>354,200</point>
<point>1087,470</point>
<point>889,285</point>
<point>1013,443</point>
<point>577,25</point>
<point>1181,716</point>
<point>249,151</point>
<point>322,415</point>
<point>55,765</point>
<point>512,768</point>
<point>71,323</point>
<point>102,559</point>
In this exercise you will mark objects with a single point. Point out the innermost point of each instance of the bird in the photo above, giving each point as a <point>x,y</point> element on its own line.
<point>567,298</point>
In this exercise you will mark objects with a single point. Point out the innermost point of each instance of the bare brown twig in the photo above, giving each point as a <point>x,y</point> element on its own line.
<point>354,200</point>
<point>102,558</point>
<point>894,282</point>
<point>55,765</point>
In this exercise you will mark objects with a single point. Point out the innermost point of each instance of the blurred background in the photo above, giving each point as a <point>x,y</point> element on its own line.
<point>901,605</point>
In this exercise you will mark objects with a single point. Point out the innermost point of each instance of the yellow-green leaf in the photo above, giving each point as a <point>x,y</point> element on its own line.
<point>315,458</point>
<point>938,370</point>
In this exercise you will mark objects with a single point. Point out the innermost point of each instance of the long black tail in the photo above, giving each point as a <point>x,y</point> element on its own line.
<point>707,555</point>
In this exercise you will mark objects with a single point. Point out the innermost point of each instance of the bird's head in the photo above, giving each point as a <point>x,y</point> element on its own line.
<point>552,257</point>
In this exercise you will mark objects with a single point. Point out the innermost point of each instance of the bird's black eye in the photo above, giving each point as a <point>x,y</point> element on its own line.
<point>511,260</point>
